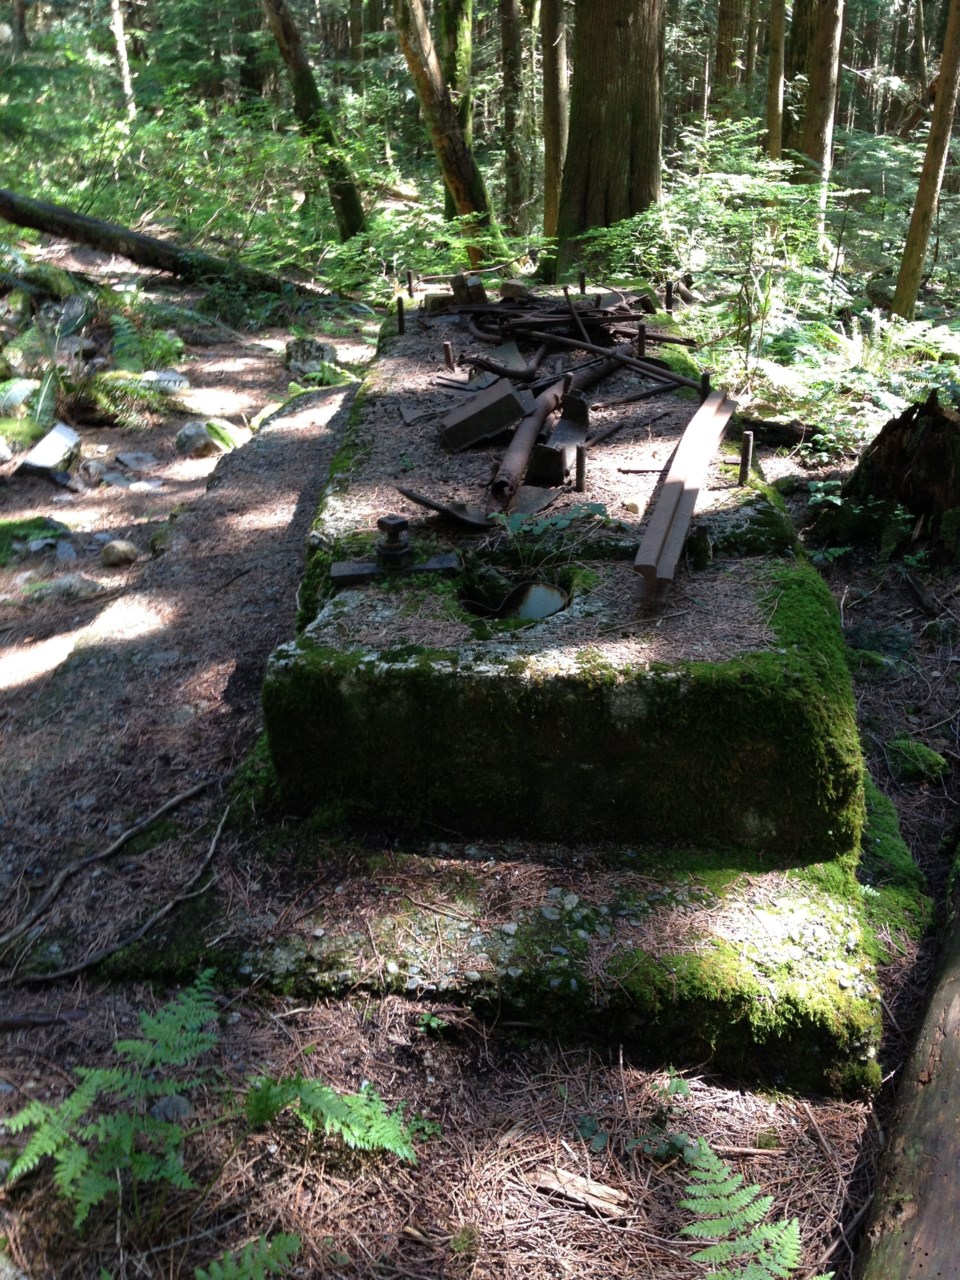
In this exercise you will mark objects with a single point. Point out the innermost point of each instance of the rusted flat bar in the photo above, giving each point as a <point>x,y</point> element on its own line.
<point>652,370</point>
<point>662,543</point>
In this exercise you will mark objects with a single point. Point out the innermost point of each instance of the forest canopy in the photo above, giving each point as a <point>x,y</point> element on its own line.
<point>768,156</point>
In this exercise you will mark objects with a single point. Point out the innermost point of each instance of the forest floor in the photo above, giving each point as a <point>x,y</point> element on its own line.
<point>143,690</point>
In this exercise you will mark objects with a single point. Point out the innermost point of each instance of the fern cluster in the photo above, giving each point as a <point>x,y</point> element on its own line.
<point>731,1215</point>
<point>118,1129</point>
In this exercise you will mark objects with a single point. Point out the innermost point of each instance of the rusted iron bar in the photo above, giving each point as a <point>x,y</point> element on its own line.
<point>642,366</point>
<point>662,543</point>
<point>514,463</point>
<point>746,458</point>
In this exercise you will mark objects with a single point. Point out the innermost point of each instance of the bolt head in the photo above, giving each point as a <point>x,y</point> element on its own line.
<point>393,526</point>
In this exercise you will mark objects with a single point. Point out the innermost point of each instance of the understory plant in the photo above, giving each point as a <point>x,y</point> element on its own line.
<point>121,1135</point>
<point>732,1216</point>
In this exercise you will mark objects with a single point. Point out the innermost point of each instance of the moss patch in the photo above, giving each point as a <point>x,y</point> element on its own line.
<point>911,761</point>
<point>14,531</point>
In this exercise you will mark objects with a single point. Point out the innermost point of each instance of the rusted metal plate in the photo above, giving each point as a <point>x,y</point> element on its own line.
<point>461,512</point>
<point>484,416</point>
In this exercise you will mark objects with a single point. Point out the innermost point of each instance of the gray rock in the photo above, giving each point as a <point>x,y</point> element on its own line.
<point>72,586</point>
<point>173,1108</point>
<point>119,552</point>
<point>136,461</point>
<point>195,441</point>
<point>516,289</point>
<point>66,552</point>
<point>550,913</point>
<point>6,453</point>
<point>55,451</point>
<point>304,356</point>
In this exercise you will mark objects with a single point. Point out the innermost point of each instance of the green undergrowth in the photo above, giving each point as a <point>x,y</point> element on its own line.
<point>24,530</point>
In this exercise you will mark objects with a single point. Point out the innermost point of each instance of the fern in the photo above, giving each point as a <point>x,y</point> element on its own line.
<point>255,1261</point>
<point>730,1213</point>
<point>127,347</point>
<point>360,1120</point>
<point>99,1131</point>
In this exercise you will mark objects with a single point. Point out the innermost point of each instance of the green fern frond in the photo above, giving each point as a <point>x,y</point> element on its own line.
<point>730,1214</point>
<point>128,400</point>
<point>127,347</point>
<point>255,1261</point>
<point>179,1033</point>
<point>360,1120</point>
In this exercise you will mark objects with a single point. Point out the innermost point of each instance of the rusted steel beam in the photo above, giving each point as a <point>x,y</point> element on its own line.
<point>624,358</point>
<point>662,543</point>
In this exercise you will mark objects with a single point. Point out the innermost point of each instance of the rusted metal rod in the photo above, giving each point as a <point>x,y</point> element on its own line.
<point>642,366</point>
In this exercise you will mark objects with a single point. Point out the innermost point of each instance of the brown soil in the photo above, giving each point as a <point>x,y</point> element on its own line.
<point>116,705</point>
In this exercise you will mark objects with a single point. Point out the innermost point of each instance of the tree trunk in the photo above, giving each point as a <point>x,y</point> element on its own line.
<point>314,121</point>
<point>553,37</point>
<point>800,37</point>
<point>458,166</point>
<point>931,175</point>
<point>511,52</point>
<point>19,24</point>
<point>158,255</point>
<point>919,60</point>
<point>730,30</point>
<point>613,157</point>
<point>456,67</point>
<point>751,42</point>
<point>823,73</point>
<point>123,62</point>
<point>913,1229</point>
<point>775,79</point>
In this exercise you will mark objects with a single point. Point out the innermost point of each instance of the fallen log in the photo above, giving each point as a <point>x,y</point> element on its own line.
<point>146,251</point>
<point>913,1231</point>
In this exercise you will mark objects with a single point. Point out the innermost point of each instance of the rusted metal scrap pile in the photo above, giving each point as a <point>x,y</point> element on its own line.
<point>527,386</point>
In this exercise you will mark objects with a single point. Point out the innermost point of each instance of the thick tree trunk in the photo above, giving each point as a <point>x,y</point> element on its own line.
<point>612,169</point>
<point>511,64</point>
<point>314,121</point>
<point>913,1231</point>
<point>731,20</point>
<point>458,166</point>
<point>159,255</point>
<point>931,175</point>
<point>823,73</point>
<point>456,67</point>
<point>553,38</point>
<point>800,37</point>
<point>775,79</point>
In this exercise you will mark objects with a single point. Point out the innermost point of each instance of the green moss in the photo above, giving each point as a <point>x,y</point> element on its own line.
<point>760,750</point>
<point>911,761</point>
<point>894,894</point>
<point>157,833</point>
<point>757,525</point>
<point>22,432</point>
<point>255,789</point>
<point>12,531</point>
<point>175,949</point>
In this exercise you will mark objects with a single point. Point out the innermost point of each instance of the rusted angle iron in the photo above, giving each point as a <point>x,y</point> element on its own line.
<point>662,543</point>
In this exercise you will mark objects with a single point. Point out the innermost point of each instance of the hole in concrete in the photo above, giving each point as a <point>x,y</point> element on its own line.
<point>488,593</point>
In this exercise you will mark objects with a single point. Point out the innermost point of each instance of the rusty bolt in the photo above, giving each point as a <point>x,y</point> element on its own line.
<point>394,551</point>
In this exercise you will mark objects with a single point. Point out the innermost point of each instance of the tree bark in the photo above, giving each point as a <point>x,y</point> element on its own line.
<point>458,167</point>
<point>799,42</point>
<point>913,1230</point>
<point>553,38</point>
<point>123,62</point>
<point>612,169</point>
<point>19,25</point>
<point>775,79</point>
<point>730,30</point>
<point>159,255</point>
<point>931,175</point>
<point>511,55</point>
<point>314,121</point>
<point>823,73</point>
<point>456,67</point>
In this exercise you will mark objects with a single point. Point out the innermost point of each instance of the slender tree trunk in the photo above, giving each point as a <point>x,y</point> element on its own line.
<point>613,158</point>
<point>511,55</point>
<point>931,175</point>
<point>314,121</point>
<point>456,67</point>
<point>356,31</point>
<point>777,30</point>
<point>458,166</point>
<point>553,37</point>
<point>920,45</point>
<point>824,70</point>
<point>751,42</point>
<point>19,24</point>
<point>123,62</point>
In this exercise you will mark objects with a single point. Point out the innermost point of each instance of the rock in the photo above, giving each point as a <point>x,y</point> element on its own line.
<point>194,441</point>
<point>6,453</point>
<point>304,356</point>
<point>54,452</point>
<point>517,290</point>
<point>91,472</point>
<point>73,586</point>
<point>66,552</point>
<point>172,1109</point>
<point>119,552</point>
<point>136,461</point>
